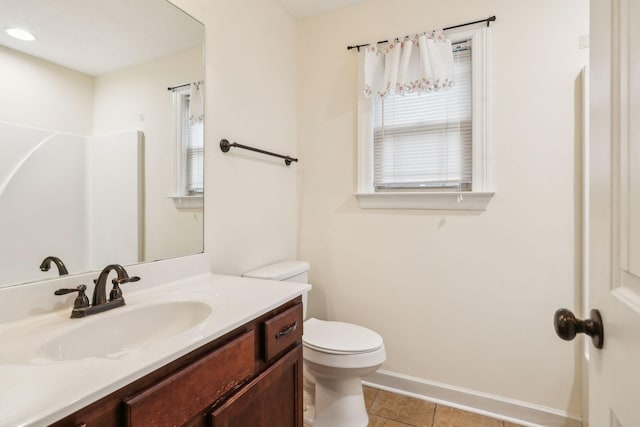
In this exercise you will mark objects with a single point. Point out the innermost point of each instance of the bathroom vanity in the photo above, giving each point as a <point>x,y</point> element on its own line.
<point>252,376</point>
<point>238,363</point>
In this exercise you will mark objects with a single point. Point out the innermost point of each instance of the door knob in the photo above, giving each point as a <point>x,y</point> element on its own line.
<point>567,326</point>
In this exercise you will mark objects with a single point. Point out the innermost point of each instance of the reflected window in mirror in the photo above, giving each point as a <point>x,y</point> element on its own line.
<point>189,145</point>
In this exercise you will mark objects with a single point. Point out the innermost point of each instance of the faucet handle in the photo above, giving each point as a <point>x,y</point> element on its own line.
<point>120,281</point>
<point>81,300</point>
<point>116,292</point>
<point>64,291</point>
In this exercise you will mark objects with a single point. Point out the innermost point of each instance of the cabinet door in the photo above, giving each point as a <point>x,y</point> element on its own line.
<point>185,394</point>
<point>272,399</point>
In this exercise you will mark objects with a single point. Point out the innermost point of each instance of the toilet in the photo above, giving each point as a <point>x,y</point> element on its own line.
<point>336,356</point>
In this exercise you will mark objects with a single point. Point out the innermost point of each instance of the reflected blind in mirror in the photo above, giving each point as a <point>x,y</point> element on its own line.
<point>194,159</point>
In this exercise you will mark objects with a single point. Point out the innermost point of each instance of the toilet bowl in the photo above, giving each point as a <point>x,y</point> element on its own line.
<point>336,355</point>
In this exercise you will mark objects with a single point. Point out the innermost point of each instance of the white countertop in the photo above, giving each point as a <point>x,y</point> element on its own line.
<point>39,392</point>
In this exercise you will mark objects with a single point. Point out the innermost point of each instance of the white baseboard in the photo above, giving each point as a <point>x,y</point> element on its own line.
<point>502,408</point>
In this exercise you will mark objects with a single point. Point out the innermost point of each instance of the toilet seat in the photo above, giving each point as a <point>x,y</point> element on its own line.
<point>339,338</point>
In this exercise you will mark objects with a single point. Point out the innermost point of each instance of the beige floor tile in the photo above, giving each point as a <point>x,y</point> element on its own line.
<point>414,412</point>
<point>370,394</point>
<point>450,417</point>
<point>376,421</point>
<point>508,424</point>
<point>309,409</point>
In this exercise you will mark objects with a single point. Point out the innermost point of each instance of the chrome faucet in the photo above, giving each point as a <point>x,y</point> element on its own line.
<point>46,265</point>
<point>81,307</point>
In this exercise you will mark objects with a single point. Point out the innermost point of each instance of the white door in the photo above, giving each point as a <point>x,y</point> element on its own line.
<point>614,211</point>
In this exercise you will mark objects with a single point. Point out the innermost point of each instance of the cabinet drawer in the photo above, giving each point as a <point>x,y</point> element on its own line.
<point>186,393</point>
<point>282,331</point>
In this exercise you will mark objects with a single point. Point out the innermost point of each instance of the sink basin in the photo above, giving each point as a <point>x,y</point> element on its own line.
<point>124,329</point>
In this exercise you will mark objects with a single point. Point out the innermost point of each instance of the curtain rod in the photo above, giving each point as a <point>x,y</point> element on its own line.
<point>488,20</point>
<point>184,85</point>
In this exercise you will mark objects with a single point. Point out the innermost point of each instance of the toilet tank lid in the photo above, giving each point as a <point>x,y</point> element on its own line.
<point>279,271</point>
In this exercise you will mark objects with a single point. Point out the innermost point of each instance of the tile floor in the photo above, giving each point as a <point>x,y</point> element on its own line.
<point>393,410</point>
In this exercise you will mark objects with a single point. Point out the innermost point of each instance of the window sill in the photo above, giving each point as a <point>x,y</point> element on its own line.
<point>188,202</point>
<point>472,201</point>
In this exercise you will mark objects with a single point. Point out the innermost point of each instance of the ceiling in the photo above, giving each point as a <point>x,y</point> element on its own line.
<point>99,37</point>
<point>306,8</point>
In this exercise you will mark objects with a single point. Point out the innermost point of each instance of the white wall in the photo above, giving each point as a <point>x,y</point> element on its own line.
<point>137,99</point>
<point>41,94</point>
<point>465,299</point>
<point>250,200</point>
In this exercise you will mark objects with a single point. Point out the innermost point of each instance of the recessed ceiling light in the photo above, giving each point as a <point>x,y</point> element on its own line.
<point>19,34</point>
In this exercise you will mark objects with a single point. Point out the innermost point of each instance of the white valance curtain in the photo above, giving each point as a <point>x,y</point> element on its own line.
<point>419,63</point>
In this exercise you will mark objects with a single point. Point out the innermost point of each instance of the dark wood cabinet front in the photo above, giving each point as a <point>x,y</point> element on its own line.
<point>272,399</point>
<point>181,396</point>
<point>282,331</point>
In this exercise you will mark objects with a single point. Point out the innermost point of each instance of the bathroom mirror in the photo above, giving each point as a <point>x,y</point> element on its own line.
<point>98,162</point>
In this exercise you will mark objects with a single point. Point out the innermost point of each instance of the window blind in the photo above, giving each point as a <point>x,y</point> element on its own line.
<point>194,153</point>
<point>423,140</point>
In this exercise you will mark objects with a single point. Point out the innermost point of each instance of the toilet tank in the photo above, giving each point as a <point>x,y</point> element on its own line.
<point>285,271</point>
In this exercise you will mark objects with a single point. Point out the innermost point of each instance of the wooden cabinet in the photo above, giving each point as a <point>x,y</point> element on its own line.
<point>251,376</point>
<point>261,403</point>
<point>175,400</point>
<point>281,332</point>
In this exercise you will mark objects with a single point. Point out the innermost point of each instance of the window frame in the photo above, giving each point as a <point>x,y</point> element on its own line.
<point>479,196</point>
<point>181,197</point>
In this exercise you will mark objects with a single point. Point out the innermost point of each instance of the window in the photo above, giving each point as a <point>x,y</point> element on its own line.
<point>427,150</point>
<point>423,140</point>
<point>193,152</point>
<point>189,153</point>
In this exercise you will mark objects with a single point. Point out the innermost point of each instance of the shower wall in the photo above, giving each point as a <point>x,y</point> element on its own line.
<point>46,197</point>
<point>115,196</point>
<point>50,208</point>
